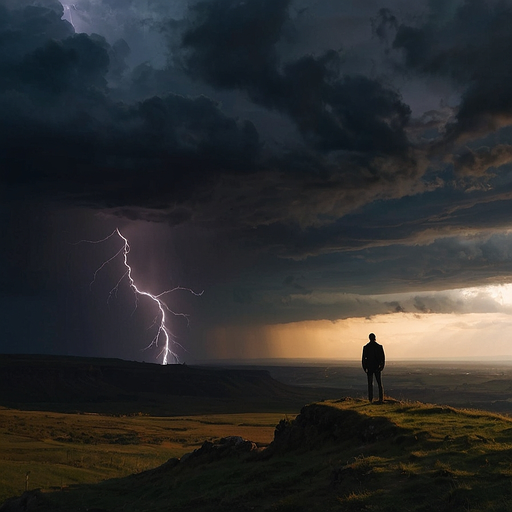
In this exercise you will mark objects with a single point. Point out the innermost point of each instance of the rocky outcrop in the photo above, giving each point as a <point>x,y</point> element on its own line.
<point>318,424</point>
<point>226,447</point>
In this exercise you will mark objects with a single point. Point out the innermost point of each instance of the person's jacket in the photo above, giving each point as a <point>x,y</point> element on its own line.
<point>373,357</point>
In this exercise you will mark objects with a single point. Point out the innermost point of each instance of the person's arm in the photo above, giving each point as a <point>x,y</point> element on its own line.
<point>383,359</point>
<point>364,360</point>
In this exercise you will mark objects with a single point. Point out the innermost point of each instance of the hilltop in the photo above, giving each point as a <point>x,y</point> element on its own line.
<point>335,455</point>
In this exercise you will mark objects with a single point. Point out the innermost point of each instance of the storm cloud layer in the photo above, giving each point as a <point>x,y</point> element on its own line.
<point>319,151</point>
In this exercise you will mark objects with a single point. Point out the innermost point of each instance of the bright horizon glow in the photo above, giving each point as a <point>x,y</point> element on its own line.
<point>404,335</point>
<point>501,293</point>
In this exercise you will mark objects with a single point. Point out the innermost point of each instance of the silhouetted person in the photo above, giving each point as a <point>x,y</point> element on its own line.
<point>373,364</point>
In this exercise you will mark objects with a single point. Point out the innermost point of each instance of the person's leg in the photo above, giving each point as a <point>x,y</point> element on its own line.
<point>370,385</point>
<point>379,383</point>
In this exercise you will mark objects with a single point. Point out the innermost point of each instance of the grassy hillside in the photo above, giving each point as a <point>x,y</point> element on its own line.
<point>58,450</point>
<point>338,455</point>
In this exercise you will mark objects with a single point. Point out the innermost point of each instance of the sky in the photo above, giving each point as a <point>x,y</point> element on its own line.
<point>304,172</point>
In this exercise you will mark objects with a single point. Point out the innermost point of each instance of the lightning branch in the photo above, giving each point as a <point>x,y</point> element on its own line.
<point>163,337</point>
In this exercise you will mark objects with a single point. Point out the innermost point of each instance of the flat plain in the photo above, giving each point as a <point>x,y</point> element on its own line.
<point>466,384</point>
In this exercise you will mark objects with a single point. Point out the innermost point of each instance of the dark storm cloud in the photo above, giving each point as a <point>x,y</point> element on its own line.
<point>385,25</point>
<point>63,134</point>
<point>377,281</point>
<point>469,43</point>
<point>272,307</point>
<point>434,212</point>
<point>479,161</point>
<point>301,158</point>
<point>171,157</point>
<point>232,44</point>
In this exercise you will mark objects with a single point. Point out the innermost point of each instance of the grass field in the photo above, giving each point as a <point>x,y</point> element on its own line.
<point>342,455</point>
<point>54,450</point>
<point>338,455</point>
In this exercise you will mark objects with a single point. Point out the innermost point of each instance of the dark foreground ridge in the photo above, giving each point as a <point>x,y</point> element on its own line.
<point>112,385</point>
<point>343,455</point>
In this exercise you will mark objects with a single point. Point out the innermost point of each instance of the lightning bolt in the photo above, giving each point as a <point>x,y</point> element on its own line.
<point>163,332</point>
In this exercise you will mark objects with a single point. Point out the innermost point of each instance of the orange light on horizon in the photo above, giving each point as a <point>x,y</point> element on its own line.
<point>404,336</point>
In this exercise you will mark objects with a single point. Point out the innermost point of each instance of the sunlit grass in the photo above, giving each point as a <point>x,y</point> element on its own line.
<point>421,458</point>
<point>53,450</point>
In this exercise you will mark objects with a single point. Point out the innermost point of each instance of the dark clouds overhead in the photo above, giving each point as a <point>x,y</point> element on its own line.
<point>232,44</point>
<point>88,143</point>
<point>468,43</point>
<point>64,134</point>
<point>336,146</point>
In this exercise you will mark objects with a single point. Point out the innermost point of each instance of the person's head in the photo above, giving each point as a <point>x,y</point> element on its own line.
<point>372,336</point>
